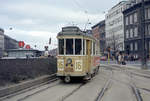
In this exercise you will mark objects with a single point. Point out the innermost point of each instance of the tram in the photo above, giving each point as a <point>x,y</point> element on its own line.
<point>78,54</point>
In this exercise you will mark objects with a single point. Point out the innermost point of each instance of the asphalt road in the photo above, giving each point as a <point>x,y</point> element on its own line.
<point>111,84</point>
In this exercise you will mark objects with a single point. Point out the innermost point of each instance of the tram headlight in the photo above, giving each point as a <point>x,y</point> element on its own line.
<point>69,61</point>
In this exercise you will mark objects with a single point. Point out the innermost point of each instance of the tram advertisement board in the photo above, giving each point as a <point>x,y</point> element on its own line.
<point>96,61</point>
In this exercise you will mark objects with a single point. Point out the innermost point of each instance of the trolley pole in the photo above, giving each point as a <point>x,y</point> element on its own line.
<point>143,39</point>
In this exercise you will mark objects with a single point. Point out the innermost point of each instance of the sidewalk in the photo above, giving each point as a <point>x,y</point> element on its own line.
<point>129,64</point>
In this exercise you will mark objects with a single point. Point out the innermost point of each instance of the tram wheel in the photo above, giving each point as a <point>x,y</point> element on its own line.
<point>67,79</point>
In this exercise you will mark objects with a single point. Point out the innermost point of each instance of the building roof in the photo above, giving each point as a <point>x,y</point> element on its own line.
<point>21,50</point>
<point>8,37</point>
<point>101,23</point>
<point>135,6</point>
<point>121,2</point>
<point>74,30</point>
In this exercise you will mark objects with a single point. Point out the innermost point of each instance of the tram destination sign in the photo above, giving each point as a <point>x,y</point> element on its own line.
<point>70,29</point>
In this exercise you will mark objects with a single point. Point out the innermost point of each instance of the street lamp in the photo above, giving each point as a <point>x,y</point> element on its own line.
<point>144,55</point>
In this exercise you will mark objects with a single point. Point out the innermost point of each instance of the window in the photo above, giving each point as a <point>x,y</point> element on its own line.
<point>131,20</point>
<point>69,46</point>
<point>148,31</point>
<point>148,13</point>
<point>127,20</point>
<point>135,17</point>
<point>131,46</point>
<point>84,47</point>
<point>131,32</point>
<point>136,46</point>
<point>93,48</point>
<point>149,45</point>
<point>127,34</point>
<point>135,32</point>
<point>61,46</point>
<point>78,46</point>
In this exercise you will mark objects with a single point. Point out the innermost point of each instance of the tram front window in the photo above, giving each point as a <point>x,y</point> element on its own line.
<point>78,46</point>
<point>69,46</point>
<point>61,46</point>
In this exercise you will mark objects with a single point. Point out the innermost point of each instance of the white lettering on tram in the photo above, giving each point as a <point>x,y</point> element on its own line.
<point>78,65</point>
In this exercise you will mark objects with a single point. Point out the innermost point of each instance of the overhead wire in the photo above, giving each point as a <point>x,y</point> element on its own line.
<point>84,10</point>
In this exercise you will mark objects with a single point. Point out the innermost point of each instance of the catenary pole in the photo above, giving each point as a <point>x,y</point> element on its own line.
<point>144,55</point>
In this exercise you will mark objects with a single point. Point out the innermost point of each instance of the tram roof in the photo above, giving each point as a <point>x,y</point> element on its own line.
<point>73,31</point>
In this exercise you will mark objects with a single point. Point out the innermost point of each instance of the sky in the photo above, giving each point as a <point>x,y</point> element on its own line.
<point>35,21</point>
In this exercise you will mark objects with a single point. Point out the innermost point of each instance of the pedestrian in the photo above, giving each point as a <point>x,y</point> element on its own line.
<point>116,56</point>
<point>123,60</point>
<point>119,59</point>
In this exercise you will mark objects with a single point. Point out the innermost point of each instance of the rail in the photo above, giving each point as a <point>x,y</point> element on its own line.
<point>25,86</point>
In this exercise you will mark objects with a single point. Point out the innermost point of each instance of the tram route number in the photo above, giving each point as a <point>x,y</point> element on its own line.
<point>78,65</point>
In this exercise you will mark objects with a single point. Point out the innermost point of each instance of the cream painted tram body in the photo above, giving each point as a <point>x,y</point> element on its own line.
<point>78,54</point>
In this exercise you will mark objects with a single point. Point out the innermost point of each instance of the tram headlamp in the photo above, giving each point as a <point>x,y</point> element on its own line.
<point>69,61</point>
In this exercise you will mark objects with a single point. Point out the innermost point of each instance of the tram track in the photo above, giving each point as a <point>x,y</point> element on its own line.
<point>105,88</point>
<point>41,90</point>
<point>52,89</point>
<point>145,89</point>
<point>72,92</point>
<point>135,90</point>
<point>58,85</point>
<point>32,88</point>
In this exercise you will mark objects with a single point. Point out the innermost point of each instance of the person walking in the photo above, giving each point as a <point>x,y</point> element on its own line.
<point>123,59</point>
<point>119,59</point>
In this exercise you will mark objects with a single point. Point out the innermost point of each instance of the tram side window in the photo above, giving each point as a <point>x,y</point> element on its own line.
<point>78,46</point>
<point>93,48</point>
<point>61,46</point>
<point>69,46</point>
<point>84,47</point>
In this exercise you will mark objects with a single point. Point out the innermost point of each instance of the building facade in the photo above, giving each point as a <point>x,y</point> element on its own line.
<point>98,31</point>
<point>10,43</point>
<point>22,53</point>
<point>1,42</point>
<point>132,29</point>
<point>114,27</point>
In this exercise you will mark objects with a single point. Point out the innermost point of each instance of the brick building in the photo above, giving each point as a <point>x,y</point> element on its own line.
<point>98,31</point>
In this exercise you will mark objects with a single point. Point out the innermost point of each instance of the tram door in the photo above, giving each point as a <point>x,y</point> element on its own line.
<point>88,52</point>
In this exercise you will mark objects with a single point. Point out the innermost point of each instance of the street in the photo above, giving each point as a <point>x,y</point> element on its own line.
<point>111,84</point>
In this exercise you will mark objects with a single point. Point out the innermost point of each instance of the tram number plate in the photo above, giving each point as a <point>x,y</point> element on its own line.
<point>78,65</point>
<point>60,65</point>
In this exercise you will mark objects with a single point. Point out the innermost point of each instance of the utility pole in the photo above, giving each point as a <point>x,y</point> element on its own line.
<point>143,39</point>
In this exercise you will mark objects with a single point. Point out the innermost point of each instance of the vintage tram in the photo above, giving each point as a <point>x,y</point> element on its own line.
<point>78,54</point>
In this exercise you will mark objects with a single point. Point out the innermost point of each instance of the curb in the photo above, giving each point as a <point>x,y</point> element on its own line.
<point>124,66</point>
<point>147,75</point>
<point>6,91</point>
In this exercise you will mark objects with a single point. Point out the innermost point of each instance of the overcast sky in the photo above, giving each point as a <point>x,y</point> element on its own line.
<point>35,21</point>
